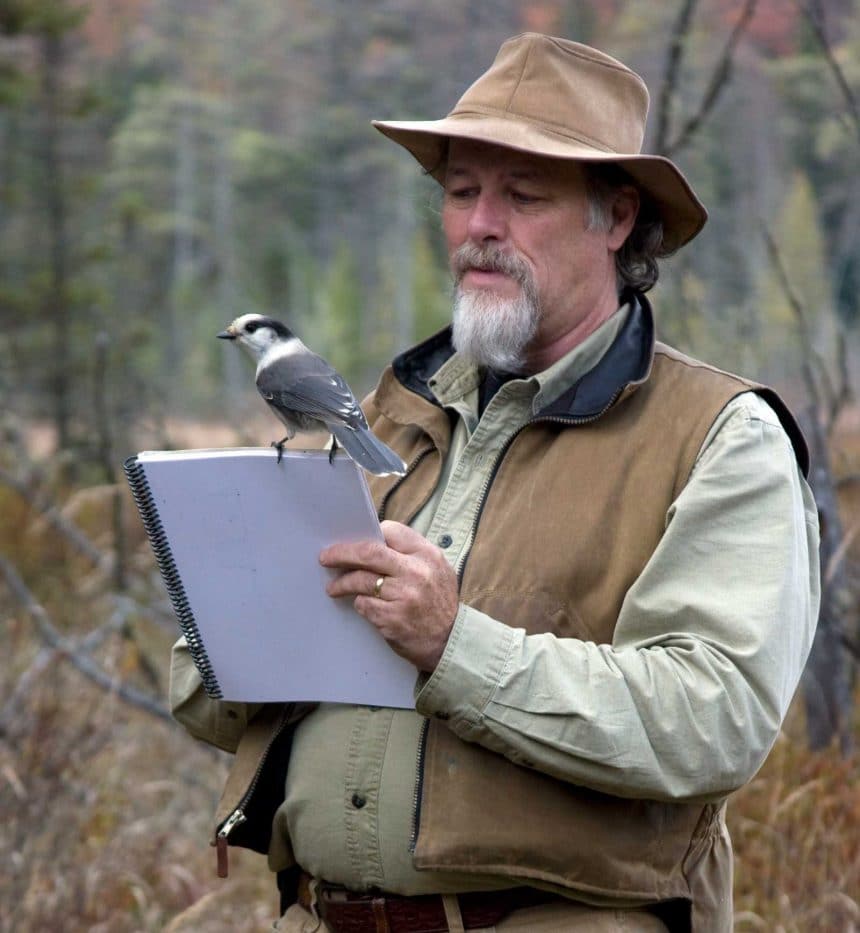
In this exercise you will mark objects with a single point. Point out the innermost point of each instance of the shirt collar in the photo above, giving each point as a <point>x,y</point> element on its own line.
<point>456,381</point>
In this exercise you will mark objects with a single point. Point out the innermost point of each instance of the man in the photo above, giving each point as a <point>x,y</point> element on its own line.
<point>602,562</point>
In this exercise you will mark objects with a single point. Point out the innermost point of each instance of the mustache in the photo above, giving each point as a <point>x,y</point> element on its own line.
<point>489,259</point>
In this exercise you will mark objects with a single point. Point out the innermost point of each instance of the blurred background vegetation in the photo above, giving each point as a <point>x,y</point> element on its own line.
<point>166,165</point>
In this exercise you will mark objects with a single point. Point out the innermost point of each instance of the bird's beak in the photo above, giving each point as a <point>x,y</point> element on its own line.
<point>228,334</point>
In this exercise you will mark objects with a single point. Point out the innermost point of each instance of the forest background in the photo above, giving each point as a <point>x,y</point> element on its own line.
<point>166,165</point>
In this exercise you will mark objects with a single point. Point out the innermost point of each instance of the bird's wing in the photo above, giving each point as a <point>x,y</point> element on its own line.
<point>308,385</point>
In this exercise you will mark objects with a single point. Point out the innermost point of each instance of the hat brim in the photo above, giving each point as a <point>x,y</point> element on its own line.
<point>682,213</point>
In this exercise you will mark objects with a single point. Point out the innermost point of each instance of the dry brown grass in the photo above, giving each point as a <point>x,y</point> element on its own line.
<point>105,811</point>
<point>796,831</point>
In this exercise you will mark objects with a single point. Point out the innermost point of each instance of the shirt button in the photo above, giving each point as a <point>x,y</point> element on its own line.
<point>358,801</point>
<point>445,540</point>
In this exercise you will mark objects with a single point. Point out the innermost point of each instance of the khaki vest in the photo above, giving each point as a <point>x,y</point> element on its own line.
<point>573,514</point>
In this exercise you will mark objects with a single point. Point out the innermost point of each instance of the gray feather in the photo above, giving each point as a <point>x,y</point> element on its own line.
<point>369,451</point>
<point>306,385</point>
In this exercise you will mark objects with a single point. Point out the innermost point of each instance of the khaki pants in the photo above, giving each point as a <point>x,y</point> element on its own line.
<point>555,917</point>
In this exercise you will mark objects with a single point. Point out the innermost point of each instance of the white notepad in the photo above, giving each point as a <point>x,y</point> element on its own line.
<point>237,536</point>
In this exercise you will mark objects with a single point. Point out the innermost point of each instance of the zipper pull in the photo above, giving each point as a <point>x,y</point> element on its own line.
<point>236,818</point>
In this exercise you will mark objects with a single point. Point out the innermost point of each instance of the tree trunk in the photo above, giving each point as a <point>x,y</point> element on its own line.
<point>827,678</point>
<point>225,252</point>
<point>183,247</point>
<point>56,299</point>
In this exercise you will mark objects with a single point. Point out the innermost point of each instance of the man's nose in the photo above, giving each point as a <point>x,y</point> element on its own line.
<point>488,219</point>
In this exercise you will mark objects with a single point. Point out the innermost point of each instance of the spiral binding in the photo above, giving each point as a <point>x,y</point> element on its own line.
<point>142,494</point>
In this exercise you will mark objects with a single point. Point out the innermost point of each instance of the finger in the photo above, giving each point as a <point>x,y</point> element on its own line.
<point>382,615</point>
<point>373,556</point>
<point>361,583</point>
<point>372,609</point>
<point>402,538</point>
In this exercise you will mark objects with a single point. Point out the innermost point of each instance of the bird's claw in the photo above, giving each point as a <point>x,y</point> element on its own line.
<point>279,446</point>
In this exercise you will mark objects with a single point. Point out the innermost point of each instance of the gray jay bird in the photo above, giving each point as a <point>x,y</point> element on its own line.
<point>307,394</point>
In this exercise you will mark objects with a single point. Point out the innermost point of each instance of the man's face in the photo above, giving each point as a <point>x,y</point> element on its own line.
<point>532,211</point>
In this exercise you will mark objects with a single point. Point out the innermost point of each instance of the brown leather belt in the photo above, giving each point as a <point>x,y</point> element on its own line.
<point>348,912</point>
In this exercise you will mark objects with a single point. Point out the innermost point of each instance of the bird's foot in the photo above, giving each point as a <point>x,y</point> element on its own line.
<point>332,450</point>
<point>279,446</point>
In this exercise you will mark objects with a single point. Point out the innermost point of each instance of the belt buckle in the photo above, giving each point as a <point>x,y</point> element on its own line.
<point>333,897</point>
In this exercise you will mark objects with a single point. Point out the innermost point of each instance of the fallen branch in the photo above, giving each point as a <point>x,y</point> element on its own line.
<point>162,617</point>
<point>71,651</point>
<point>58,521</point>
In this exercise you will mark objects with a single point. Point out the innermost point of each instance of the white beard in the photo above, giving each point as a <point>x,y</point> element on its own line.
<point>489,330</point>
<point>492,331</point>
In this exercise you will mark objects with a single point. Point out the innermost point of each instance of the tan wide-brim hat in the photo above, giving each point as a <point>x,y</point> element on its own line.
<point>557,98</point>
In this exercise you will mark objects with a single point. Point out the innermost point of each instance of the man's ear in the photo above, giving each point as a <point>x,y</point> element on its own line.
<point>625,208</point>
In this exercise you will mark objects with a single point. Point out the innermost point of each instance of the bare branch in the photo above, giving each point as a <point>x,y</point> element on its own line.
<point>797,307</point>
<point>827,397</point>
<point>675,54</point>
<point>46,657</point>
<point>10,712</point>
<point>852,647</point>
<point>844,393</point>
<point>71,651</point>
<point>813,12</point>
<point>164,617</point>
<point>828,391</point>
<point>838,556</point>
<point>101,409</point>
<point>719,80</point>
<point>57,520</point>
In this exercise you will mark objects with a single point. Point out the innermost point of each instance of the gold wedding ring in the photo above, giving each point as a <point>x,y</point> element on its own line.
<point>377,587</point>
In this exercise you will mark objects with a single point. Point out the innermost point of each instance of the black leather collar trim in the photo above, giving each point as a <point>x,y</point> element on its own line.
<point>627,361</point>
<point>415,367</point>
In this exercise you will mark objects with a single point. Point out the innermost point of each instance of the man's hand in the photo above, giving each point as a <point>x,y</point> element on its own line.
<point>415,607</point>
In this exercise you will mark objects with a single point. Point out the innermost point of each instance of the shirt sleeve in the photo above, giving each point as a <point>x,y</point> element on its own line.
<point>687,700</point>
<point>214,721</point>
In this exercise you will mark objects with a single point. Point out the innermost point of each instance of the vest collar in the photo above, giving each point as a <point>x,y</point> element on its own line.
<point>625,365</point>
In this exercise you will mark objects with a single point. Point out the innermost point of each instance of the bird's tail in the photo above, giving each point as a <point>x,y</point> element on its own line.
<point>368,451</point>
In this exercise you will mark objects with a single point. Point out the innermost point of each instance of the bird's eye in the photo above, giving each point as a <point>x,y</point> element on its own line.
<point>251,326</point>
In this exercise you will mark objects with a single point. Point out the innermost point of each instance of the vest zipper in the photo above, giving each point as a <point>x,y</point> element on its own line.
<point>380,512</point>
<point>419,784</point>
<point>460,568</point>
<point>237,817</point>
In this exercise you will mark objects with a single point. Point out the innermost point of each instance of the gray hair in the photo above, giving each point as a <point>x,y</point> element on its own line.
<point>636,262</point>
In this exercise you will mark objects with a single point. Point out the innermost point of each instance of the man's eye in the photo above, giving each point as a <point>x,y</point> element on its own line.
<point>460,194</point>
<point>522,197</point>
